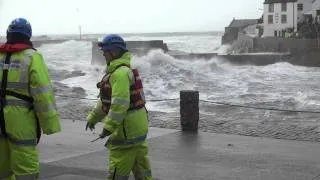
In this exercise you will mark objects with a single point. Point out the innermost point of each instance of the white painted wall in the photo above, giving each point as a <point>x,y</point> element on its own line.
<point>316,4</point>
<point>307,6</point>
<point>291,13</point>
<point>315,7</point>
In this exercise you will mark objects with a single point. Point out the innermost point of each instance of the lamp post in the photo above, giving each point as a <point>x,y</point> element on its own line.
<point>79,26</point>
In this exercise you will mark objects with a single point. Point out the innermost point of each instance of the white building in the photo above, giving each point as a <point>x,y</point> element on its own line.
<point>315,10</point>
<point>282,16</point>
<point>316,6</point>
<point>279,16</point>
<point>303,8</point>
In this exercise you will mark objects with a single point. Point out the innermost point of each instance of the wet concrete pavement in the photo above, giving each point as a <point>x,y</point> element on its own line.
<point>179,155</point>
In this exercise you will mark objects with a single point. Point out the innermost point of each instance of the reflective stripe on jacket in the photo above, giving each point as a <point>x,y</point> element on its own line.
<point>28,75</point>
<point>127,127</point>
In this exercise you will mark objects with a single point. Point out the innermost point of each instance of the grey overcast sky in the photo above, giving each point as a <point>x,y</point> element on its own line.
<point>127,16</point>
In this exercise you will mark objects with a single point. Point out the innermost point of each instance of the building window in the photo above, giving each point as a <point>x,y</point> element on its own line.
<point>270,19</point>
<point>300,7</point>
<point>275,33</point>
<point>283,7</point>
<point>318,12</point>
<point>271,7</point>
<point>283,19</point>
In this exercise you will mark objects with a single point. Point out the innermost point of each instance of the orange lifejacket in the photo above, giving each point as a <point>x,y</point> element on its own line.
<point>137,99</point>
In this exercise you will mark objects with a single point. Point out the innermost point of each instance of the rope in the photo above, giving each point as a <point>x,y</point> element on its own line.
<point>95,99</point>
<point>260,108</point>
<point>159,100</point>
<point>207,101</point>
<point>73,97</point>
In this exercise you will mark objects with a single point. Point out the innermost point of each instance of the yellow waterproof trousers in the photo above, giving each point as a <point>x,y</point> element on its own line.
<point>18,162</point>
<point>124,160</point>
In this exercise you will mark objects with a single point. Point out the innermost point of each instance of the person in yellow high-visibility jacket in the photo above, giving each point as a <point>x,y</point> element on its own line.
<point>122,105</point>
<point>27,104</point>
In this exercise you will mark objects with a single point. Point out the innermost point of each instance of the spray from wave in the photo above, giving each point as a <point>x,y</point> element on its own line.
<point>278,85</point>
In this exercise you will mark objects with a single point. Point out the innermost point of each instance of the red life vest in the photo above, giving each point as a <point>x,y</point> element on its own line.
<point>137,99</point>
<point>11,48</point>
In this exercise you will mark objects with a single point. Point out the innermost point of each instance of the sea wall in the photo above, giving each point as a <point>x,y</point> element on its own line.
<point>254,59</point>
<point>195,56</point>
<point>39,43</point>
<point>278,44</point>
<point>310,58</point>
<point>300,54</point>
<point>136,47</point>
<point>243,44</point>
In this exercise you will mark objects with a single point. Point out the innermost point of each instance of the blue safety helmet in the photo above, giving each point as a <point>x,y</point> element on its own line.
<point>20,25</point>
<point>112,41</point>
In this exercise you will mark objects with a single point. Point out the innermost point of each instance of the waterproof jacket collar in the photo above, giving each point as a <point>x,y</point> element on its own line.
<point>11,48</point>
<point>123,60</point>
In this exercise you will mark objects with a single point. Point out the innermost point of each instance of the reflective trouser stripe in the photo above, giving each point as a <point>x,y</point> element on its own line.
<point>5,174</point>
<point>128,141</point>
<point>114,176</point>
<point>24,142</point>
<point>142,175</point>
<point>27,177</point>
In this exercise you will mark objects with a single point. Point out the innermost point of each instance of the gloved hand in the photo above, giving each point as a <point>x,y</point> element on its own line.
<point>90,126</point>
<point>104,133</point>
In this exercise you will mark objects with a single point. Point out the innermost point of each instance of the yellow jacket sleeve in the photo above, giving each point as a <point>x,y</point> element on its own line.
<point>42,93</point>
<point>120,98</point>
<point>96,114</point>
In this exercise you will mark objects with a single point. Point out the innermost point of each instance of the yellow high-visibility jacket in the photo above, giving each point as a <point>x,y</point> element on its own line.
<point>128,127</point>
<point>28,75</point>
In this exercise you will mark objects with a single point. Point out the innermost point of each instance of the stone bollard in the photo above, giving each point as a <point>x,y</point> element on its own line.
<point>189,110</point>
